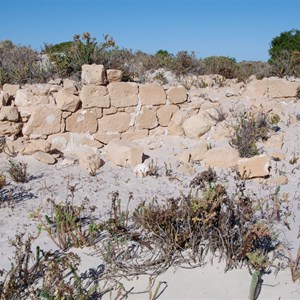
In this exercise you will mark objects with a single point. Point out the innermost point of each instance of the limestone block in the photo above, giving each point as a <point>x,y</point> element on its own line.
<point>10,128</point>
<point>198,125</point>
<point>124,154</point>
<point>123,94</point>
<point>11,89</point>
<point>93,74</point>
<point>44,120</point>
<point>9,113</point>
<point>114,75</point>
<point>134,134</point>
<point>66,101</point>
<point>257,166</point>
<point>118,122</point>
<point>221,157</point>
<point>165,114</point>
<point>82,121</point>
<point>70,87</point>
<point>106,137</point>
<point>146,119</point>
<point>45,158</point>
<point>152,94</point>
<point>198,153</point>
<point>177,95</point>
<point>94,96</point>
<point>88,159</point>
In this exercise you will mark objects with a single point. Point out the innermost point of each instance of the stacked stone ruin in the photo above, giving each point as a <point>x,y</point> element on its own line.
<point>66,116</point>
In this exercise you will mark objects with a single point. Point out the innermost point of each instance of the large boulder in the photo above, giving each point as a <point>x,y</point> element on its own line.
<point>88,159</point>
<point>124,154</point>
<point>118,122</point>
<point>10,128</point>
<point>94,96</point>
<point>93,74</point>
<point>175,125</point>
<point>66,101</point>
<point>123,94</point>
<point>198,125</point>
<point>146,119</point>
<point>9,113</point>
<point>198,153</point>
<point>257,166</point>
<point>44,120</point>
<point>221,157</point>
<point>282,88</point>
<point>114,75</point>
<point>82,121</point>
<point>165,114</point>
<point>152,94</point>
<point>177,95</point>
<point>11,89</point>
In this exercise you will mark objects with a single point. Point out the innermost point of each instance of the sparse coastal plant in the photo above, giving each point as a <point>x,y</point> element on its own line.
<point>250,129</point>
<point>18,171</point>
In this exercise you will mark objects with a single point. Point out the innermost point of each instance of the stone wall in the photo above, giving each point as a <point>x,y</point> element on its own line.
<point>64,115</point>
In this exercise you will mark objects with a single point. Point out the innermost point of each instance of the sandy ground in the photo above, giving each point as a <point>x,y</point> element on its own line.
<point>209,282</point>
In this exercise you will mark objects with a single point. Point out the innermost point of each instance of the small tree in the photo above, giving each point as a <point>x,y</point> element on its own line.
<point>284,52</point>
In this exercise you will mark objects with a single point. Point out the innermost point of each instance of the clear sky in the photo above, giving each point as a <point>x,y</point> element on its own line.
<point>242,29</point>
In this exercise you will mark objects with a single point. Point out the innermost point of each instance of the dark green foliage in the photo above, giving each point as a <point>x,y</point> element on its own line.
<point>18,171</point>
<point>221,65</point>
<point>284,51</point>
<point>249,130</point>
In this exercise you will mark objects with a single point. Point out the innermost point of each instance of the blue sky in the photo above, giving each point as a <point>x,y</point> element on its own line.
<point>242,29</point>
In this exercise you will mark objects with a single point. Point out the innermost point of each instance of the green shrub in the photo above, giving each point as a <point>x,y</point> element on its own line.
<point>250,129</point>
<point>221,65</point>
<point>21,64</point>
<point>284,51</point>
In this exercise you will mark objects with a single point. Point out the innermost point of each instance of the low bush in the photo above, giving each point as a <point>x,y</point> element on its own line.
<point>250,129</point>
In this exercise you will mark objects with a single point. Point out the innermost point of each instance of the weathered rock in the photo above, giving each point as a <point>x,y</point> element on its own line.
<point>256,89</point>
<point>70,86</point>
<point>278,155</point>
<point>106,137</point>
<point>9,113</point>
<point>157,131</point>
<point>11,89</point>
<point>198,125</point>
<point>89,160</point>
<point>146,119</point>
<point>141,170</point>
<point>184,156</point>
<point>124,154</point>
<point>45,158</point>
<point>93,74</point>
<point>94,96</point>
<point>10,128</point>
<point>66,101</point>
<point>186,169</point>
<point>152,94</point>
<point>109,111</point>
<point>44,120</point>
<point>257,166</point>
<point>82,121</point>
<point>198,153</point>
<point>281,88</point>
<point>165,114</point>
<point>177,95</point>
<point>221,157</point>
<point>279,180</point>
<point>175,126</point>
<point>33,146</point>
<point>274,141</point>
<point>114,123</point>
<point>134,134</point>
<point>123,94</point>
<point>114,75</point>
<point>24,97</point>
